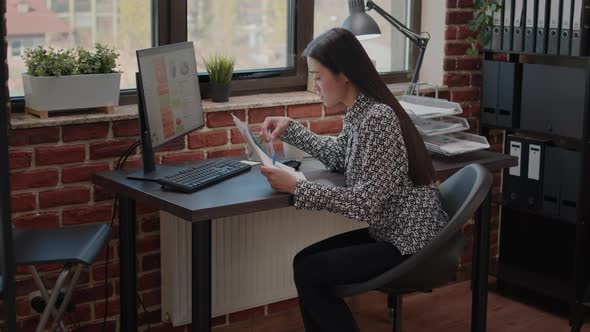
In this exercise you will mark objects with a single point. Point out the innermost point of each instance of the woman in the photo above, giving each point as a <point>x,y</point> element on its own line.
<point>389,181</point>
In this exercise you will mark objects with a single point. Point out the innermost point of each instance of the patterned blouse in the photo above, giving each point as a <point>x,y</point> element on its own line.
<point>370,151</point>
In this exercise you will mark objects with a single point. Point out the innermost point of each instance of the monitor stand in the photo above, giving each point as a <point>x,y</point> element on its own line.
<point>151,171</point>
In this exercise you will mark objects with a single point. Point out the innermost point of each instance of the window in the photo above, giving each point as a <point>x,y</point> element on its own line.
<point>60,6</point>
<point>390,51</point>
<point>254,32</point>
<point>125,25</point>
<point>15,46</point>
<point>81,6</point>
<point>266,37</point>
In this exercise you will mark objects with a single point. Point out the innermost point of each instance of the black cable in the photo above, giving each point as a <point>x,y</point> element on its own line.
<point>145,311</point>
<point>118,165</point>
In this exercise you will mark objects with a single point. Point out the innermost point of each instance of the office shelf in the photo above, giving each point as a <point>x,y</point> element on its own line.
<point>544,253</point>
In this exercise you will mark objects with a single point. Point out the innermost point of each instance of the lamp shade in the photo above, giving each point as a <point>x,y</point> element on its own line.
<point>360,23</point>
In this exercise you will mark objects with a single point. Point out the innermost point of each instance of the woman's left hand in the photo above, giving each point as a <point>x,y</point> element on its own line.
<point>279,179</point>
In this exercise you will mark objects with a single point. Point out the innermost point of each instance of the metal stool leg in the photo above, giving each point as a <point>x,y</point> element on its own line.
<point>67,297</point>
<point>53,298</point>
<point>45,294</point>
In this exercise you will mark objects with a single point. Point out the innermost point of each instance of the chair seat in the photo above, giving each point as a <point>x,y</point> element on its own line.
<point>72,244</point>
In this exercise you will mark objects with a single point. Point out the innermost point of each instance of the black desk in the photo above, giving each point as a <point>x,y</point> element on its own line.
<point>249,193</point>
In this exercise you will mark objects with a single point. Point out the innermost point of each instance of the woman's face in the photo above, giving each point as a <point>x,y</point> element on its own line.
<point>332,88</point>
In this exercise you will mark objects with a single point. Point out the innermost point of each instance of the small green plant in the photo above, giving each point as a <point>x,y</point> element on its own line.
<point>483,18</point>
<point>220,68</point>
<point>51,62</point>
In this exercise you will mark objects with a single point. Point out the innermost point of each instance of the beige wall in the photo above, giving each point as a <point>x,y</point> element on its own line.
<point>433,22</point>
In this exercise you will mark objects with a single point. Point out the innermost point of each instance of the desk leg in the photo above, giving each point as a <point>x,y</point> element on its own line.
<point>127,263</point>
<point>201,276</point>
<point>479,273</point>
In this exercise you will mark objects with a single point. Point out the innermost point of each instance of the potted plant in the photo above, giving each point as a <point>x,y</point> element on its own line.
<point>220,69</point>
<point>482,23</point>
<point>70,79</point>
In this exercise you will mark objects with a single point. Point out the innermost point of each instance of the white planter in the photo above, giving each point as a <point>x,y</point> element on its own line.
<point>50,93</point>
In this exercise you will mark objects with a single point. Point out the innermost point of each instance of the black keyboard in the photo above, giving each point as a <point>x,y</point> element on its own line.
<point>193,178</point>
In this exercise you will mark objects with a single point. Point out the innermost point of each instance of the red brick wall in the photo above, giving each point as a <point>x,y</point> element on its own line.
<point>51,170</point>
<point>462,74</point>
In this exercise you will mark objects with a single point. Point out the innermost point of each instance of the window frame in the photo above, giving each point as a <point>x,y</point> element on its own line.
<point>170,26</point>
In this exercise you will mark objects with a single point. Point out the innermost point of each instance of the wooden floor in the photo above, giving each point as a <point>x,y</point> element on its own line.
<point>446,309</point>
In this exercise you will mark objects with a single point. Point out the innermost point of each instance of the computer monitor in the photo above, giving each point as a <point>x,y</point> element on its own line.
<point>169,101</point>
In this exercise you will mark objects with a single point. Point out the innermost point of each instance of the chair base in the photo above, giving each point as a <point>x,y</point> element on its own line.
<point>394,304</point>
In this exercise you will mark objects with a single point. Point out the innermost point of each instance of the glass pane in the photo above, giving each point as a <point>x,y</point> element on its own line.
<point>125,27</point>
<point>105,29</point>
<point>15,46</point>
<point>104,6</point>
<point>389,51</point>
<point>253,31</point>
<point>82,6</point>
<point>60,6</point>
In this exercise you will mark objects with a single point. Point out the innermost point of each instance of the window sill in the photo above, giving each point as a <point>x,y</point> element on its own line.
<point>126,112</point>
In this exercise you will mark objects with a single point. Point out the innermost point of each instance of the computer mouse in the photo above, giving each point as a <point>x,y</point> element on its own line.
<point>291,163</point>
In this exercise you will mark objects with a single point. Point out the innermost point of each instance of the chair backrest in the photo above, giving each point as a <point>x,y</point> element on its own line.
<point>437,262</point>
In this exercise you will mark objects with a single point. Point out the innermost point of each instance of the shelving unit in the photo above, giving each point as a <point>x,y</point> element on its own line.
<point>544,240</point>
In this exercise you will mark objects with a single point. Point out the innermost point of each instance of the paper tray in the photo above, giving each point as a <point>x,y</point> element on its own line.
<point>456,143</point>
<point>440,126</point>
<point>438,107</point>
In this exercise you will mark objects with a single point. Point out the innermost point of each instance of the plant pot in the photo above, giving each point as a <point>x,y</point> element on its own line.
<point>51,93</point>
<point>219,92</point>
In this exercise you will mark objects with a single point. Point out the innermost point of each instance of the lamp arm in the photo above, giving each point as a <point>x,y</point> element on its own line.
<point>417,39</point>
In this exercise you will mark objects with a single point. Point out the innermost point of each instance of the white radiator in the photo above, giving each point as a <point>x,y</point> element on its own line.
<point>251,263</point>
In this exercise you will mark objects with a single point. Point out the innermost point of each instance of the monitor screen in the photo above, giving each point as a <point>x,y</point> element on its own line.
<point>171,91</point>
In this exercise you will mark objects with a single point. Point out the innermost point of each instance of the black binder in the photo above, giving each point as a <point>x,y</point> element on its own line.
<point>565,42</point>
<point>551,183</point>
<point>501,94</point>
<point>508,25</point>
<point>497,21</point>
<point>570,185</point>
<point>553,36</point>
<point>561,184</point>
<point>508,114</point>
<point>542,26</point>
<point>523,184</point>
<point>530,35</point>
<point>491,79</point>
<point>518,25</point>
<point>580,27</point>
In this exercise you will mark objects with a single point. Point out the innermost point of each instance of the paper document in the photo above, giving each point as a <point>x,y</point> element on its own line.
<point>262,156</point>
<point>426,111</point>
<point>430,127</point>
<point>456,143</point>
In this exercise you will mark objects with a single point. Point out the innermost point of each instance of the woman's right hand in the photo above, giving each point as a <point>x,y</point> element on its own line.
<point>277,126</point>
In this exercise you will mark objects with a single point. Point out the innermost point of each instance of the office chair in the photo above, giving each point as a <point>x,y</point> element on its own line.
<point>436,263</point>
<point>74,246</point>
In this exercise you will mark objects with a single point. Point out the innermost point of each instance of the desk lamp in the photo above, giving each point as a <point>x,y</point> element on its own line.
<point>364,27</point>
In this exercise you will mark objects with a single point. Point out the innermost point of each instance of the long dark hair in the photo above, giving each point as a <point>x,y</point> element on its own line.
<point>341,52</point>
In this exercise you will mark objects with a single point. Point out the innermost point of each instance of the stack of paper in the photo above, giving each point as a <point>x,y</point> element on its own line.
<point>442,132</point>
<point>456,143</point>
<point>423,111</point>
<point>262,156</point>
<point>447,125</point>
<point>428,107</point>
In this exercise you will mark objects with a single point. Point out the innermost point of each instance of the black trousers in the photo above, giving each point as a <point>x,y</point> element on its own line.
<point>345,258</point>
